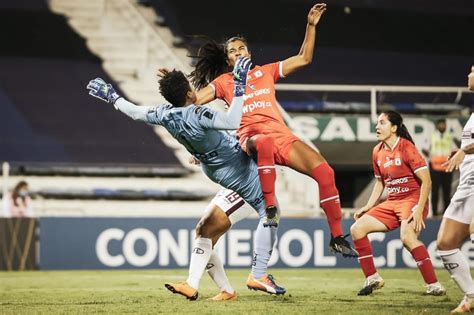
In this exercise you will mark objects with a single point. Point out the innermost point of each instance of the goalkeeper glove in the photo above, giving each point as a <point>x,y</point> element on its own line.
<point>241,68</point>
<point>100,89</point>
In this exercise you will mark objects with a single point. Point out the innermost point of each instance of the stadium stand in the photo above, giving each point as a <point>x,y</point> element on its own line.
<point>48,120</point>
<point>77,153</point>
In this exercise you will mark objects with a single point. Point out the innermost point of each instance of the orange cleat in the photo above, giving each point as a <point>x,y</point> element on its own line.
<point>224,296</point>
<point>265,284</point>
<point>184,289</point>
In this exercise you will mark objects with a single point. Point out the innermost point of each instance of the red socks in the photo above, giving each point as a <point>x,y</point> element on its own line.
<point>366,259</point>
<point>266,168</point>
<point>329,197</point>
<point>420,254</point>
<point>422,258</point>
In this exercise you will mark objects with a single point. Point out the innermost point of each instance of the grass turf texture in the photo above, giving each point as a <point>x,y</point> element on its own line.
<point>309,291</point>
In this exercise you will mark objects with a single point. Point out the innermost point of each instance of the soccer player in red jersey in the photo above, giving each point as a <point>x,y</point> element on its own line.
<point>400,168</point>
<point>263,132</point>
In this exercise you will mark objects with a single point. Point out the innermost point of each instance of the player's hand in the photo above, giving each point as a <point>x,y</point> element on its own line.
<point>241,68</point>
<point>360,212</point>
<point>315,13</point>
<point>417,217</point>
<point>100,89</point>
<point>193,161</point>
<point>162,72</point>
<point>454,161</point>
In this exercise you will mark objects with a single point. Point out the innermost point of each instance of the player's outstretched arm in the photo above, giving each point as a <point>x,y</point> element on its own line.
<point>231,119</point>
<point>305,55</point>
<point>105,91</point>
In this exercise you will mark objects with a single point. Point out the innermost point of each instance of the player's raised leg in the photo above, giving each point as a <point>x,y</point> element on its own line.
<point>304,159</point>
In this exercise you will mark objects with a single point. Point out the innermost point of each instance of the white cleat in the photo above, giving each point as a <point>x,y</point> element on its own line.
<point>435,289</point>
<point>373,282</point>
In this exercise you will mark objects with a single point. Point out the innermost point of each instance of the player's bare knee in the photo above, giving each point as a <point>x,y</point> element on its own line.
<point>202,229</point>
<point>409,239</point>
<point>357,231</point>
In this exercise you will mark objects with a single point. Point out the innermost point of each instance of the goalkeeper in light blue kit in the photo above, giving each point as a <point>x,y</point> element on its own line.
<point>198,129</point>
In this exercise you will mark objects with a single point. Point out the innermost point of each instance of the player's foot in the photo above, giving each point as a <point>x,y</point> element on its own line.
<point>465,306</point>
<point>436,289</point>
<point>184,289</point>
<point>265,284</point>
<point>272,217</point>
<point>373,282</point>
<point>224,296</point>
<point>340,245</point>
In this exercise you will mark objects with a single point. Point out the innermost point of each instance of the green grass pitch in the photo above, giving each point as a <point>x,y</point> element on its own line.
<point>309,291</point>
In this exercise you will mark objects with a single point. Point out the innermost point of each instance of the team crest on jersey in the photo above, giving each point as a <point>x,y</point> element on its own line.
<point>258,73</point>
<point>398,161</point>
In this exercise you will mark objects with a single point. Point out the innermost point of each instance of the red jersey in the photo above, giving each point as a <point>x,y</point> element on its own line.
<point>397,169</point>
<point>260,104</point>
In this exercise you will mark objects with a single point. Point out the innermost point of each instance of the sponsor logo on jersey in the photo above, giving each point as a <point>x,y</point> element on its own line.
<point>256,93</point>
<point>467,134</point>
<point>398,181</point>
<point>397,190</point>
<point>255,105</point>
<point>387,164</point>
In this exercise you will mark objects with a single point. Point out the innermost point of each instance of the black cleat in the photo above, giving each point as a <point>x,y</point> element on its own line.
<point>340,245</point>
<point>272,218</point>
<point>371,285</point>
<point>367,290</point>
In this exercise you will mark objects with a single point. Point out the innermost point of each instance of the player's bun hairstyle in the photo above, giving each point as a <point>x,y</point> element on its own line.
<point>174,86</point>
<point>397,120</point>
<point>212,61</point>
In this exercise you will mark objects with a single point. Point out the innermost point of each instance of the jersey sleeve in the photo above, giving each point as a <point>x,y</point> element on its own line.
<point>156,114</point>
<point>377,173</point>
<point>204,116</point>
<point>275,70</point>
<point>218,86</point>
<point>413,158</point>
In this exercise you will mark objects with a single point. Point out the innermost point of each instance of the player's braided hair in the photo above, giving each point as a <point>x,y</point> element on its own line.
<point>174,86</point>
<point>212,61</point>
<point>396,119</point>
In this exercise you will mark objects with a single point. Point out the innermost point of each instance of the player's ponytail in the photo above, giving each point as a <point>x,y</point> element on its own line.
<point>212,62</point>
<point>397,120</point>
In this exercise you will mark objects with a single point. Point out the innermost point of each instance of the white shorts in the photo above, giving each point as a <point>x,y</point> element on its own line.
<point>232,204</point>
<point>461,210</point>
